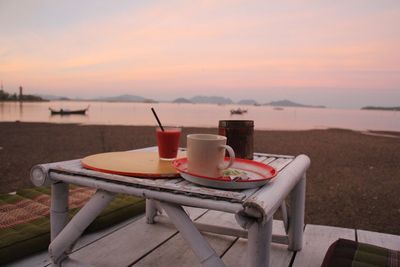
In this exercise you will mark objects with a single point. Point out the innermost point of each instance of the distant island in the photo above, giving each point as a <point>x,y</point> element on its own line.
<point>381,108</point>
<point>54,97</point>
<point>288,103</point>
<point>4,96</point>
<point>218,100</point>
<point>182,100</point>
<point>199,99</point>
<point>248,102</point>
<point>120,98</point>
<point>126,98</point>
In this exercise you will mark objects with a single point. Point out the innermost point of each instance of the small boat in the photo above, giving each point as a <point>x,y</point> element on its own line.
<point>68,111</point>
<point>278,108</point>
<point>238,111</point>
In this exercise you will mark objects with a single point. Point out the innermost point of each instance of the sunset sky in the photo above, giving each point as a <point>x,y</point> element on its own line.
<point>335,53</point>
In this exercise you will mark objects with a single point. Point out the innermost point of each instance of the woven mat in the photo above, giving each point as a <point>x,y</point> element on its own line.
<point>26,209</point>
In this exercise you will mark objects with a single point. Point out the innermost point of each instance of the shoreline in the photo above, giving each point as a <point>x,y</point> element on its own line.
<point>381,133</point>
<point>353,180</point>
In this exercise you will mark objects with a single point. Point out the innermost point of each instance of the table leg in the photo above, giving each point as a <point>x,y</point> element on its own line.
<point>151,210</point>
<point>296,211</point>
<point>59,208</point>
<point>73,230</point>
<point>285,216</point>
<point>192,236</point>
<point>259,244</point>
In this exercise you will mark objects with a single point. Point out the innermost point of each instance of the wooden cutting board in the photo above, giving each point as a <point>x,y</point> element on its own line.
<point>139,164</point>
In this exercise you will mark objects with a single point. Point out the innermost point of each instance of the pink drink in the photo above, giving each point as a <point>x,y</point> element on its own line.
<point>168,142</point>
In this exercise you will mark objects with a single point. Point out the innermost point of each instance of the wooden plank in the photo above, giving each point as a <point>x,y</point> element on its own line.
<point>267,160</point>
<point>129,244</point>
<point>379,239</point>
<point>42,258</point>
<point>280,163</point>
<point>176,252</point>
<point>173,185</point>
<point>316,242</point>
<point>277,163</point>
<point>274,155</point>
<point>38,259</point>
<point>280,256</point>
<point>74,167</point>
<point>268,199</point>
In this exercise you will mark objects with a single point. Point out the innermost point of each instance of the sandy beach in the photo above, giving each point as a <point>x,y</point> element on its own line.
<point>353,181</point>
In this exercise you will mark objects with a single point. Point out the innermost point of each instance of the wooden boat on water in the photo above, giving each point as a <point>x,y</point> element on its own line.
<point>68,111</point>
<point>238,111</point>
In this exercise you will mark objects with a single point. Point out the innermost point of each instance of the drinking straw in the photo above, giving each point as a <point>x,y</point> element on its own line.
<point>158,120</point>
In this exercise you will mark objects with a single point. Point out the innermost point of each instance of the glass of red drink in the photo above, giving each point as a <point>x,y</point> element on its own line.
<point>168,142</point>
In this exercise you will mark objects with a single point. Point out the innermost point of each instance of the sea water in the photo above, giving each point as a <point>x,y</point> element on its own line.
<point>202,115</point>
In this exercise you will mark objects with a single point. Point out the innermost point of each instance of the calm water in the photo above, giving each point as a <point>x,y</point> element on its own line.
<point>202,115</point>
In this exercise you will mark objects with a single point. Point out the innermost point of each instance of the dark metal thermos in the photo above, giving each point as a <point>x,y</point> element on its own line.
<point>239,135</point>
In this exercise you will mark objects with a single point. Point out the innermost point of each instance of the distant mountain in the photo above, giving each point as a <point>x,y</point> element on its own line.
<point>211,100</point>
<point>382,108</point>
<point>126,98</point>
<point>247,102</point>
<point>181,100</point>
<point>288,103</point>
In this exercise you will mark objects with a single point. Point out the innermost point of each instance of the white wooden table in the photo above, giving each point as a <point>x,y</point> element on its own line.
<point>253,208</point>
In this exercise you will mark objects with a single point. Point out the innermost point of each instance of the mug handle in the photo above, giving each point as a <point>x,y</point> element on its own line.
<point>231,153</point>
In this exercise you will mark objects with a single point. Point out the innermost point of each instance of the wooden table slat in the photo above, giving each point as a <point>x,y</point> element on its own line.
<point>176,185</point>
<point>76,168</point>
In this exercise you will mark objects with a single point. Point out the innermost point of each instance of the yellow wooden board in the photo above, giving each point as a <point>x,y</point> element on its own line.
<point>139,164</point>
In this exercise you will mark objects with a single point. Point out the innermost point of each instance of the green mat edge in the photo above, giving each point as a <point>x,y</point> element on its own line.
<point>28,246</point>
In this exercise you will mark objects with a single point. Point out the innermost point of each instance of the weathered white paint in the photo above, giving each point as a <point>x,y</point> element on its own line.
<point>151,210</point>
<point>152,194</point>
<point>209,228</point>
<point>58,208</point>
<point>268,199</point>
<point>279,254</point>
<point>201,248</point>
<point>74,229</point>
<point>176,252</point>
<point>278,164</point>
<point>75,167</point>
<point>296,222</point>
<point>129,243</point>
<point>259,243</point>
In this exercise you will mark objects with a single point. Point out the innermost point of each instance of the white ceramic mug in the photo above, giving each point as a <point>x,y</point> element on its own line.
<point>206,153</point>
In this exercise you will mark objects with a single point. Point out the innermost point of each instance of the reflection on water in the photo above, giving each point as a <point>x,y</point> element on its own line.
<point>201,115</point>
<point>21,110</point>
<point>1,111</point>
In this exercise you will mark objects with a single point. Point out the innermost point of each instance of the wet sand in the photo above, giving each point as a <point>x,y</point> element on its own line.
<point>353,181</point>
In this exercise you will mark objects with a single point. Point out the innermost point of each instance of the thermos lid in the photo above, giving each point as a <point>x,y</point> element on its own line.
<point>236,123</point>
